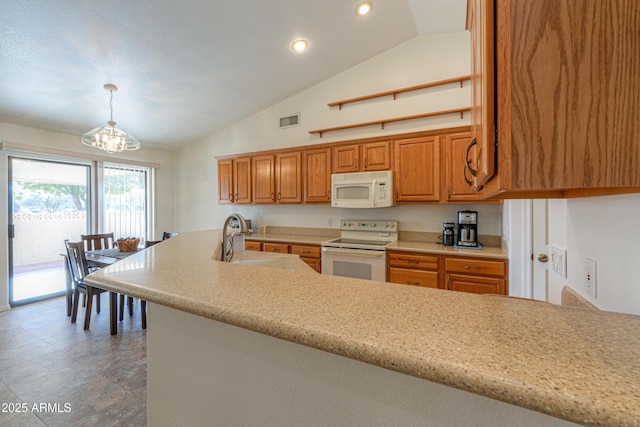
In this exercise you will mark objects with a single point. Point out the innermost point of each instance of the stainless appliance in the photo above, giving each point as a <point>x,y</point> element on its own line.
<point>448,233</point>
<point>362,189</point>
<point>468,229</point>
<point>360,250</point>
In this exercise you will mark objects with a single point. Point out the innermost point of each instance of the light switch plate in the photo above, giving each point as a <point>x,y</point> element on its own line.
<point>559,260</point>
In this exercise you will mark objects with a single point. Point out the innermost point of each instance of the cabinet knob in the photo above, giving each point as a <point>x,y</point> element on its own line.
<point>412,283</point>
<point>279,196</point>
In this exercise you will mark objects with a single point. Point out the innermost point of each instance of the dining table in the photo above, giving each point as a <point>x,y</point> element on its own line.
<point>101,258</point>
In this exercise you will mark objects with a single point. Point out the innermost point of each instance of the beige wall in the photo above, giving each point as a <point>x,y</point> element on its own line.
<point>602,229</point>
<point>420,60</point>
<point>44,139</point>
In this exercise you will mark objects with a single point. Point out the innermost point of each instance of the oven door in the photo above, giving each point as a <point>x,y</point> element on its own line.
<point>356,263</point>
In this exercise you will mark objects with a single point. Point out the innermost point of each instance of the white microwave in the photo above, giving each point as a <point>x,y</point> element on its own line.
<point>362,189</point>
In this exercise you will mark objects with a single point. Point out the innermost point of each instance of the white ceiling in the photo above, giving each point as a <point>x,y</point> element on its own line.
<point>186,69</point>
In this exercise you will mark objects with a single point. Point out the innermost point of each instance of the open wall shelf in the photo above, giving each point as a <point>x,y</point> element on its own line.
<point>461,111</point>
<point>395,92</point>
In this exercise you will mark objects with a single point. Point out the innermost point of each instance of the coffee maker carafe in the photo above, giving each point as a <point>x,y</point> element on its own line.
<point>468,229</point>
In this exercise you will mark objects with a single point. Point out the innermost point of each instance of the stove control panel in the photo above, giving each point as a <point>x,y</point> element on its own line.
<point>369,225</point>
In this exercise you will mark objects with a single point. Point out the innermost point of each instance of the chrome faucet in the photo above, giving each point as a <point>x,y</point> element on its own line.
<point>227,241</point>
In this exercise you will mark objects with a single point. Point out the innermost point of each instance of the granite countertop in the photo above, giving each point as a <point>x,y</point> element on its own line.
<point>427,247</point>
<point>576,364</point>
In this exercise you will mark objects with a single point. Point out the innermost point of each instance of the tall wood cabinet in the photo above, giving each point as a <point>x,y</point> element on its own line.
<point>567,93</point>
<point>234,180</point>
<point>317,175</point>
<point>458,181</point>
<point>417,170</point>
<point>277,178</point>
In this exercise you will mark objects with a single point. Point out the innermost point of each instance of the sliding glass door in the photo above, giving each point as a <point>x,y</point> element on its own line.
<point>48,203</point>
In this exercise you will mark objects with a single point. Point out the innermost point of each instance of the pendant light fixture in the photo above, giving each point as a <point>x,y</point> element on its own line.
<point>110,138</point>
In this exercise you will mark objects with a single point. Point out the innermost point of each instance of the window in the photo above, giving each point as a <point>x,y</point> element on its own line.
<point>125,195</point>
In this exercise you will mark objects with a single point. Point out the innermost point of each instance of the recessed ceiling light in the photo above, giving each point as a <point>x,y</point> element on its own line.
<point>364,8</point>
<point>299,45</point>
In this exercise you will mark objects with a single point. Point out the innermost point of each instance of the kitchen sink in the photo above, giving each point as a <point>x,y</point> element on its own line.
<point>279,263</point>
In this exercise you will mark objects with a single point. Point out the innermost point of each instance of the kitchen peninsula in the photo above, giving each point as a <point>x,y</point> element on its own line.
<point>245,344</point>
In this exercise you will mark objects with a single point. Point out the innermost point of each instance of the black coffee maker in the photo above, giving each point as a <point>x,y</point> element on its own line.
<point>468,229</point>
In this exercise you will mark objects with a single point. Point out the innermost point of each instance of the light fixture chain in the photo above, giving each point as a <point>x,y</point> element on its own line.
<point>111,103</point>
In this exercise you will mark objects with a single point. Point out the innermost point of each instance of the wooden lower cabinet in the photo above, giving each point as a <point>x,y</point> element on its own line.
<point>279,248</point>
<point>413,269</point>
<point>455,273</point>
<point>475,284</point>
<point>251,245</point>
<point>309,254</point>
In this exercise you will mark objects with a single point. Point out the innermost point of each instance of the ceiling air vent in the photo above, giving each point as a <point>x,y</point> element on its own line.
<point>293,120</point>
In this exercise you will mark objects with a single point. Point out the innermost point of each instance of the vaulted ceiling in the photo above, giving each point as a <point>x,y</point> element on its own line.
<point>186,69</point>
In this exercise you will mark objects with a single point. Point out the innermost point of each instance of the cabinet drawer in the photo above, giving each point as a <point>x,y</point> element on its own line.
<point>252,246</point>
<point>476,284</point>
<point>405,276</point>
<point>475,266</point>
<point>413,261</point>
<point>306,251</point>
<point>281,248</point>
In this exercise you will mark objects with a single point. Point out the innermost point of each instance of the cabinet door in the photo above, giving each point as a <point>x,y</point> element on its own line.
<point>264,175</point>
<point>417,170</point>
<point>459,185</point>
<point>475,284</point>
<point>377,156</point>
<point>317,175</point>
<point>225,181</point>
<point>480,23</point>
<point>242,180</point>
<point>346,158</point>
<point>288,177</point>
<point>313,263</point>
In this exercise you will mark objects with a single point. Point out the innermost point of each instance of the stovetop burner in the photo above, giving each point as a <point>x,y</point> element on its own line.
<point>365,234</point>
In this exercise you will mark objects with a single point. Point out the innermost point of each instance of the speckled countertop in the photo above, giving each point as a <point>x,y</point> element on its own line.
<point>572,363</point>
<point>422,243</point>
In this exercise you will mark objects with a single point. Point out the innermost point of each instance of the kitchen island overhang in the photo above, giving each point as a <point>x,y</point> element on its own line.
<point>565,362</point>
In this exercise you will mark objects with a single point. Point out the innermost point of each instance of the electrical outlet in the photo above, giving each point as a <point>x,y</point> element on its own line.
<point>558,260</point>
<point>590,277</point>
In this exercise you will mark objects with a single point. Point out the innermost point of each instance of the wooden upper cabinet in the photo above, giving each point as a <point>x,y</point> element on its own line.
<point>234,180</point>
<point>377,156</point>
<point>225,181</point>
<point>567,96</point>
<point>289,177</point>
<point>373,156</point>
<point>480,22</point>
<point>417,170</point>
<point>317,175</point>
<point>242,180</point>
<point>264,178</point>
<point>458,181</point>
<point>346,158</point>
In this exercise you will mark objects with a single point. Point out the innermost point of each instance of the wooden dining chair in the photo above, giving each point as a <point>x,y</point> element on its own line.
<point>79,269</point>
<point>167,235</point>
<point>149,243</point>
<point>93,242</point>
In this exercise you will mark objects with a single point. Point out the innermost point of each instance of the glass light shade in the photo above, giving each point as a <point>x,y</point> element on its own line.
<point>364,8</point>
<point>110,139</point>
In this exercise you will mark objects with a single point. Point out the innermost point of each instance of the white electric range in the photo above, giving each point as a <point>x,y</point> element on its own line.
<point>360,250</point>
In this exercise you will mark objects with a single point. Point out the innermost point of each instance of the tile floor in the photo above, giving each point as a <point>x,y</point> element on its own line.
<point>67,376</point>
